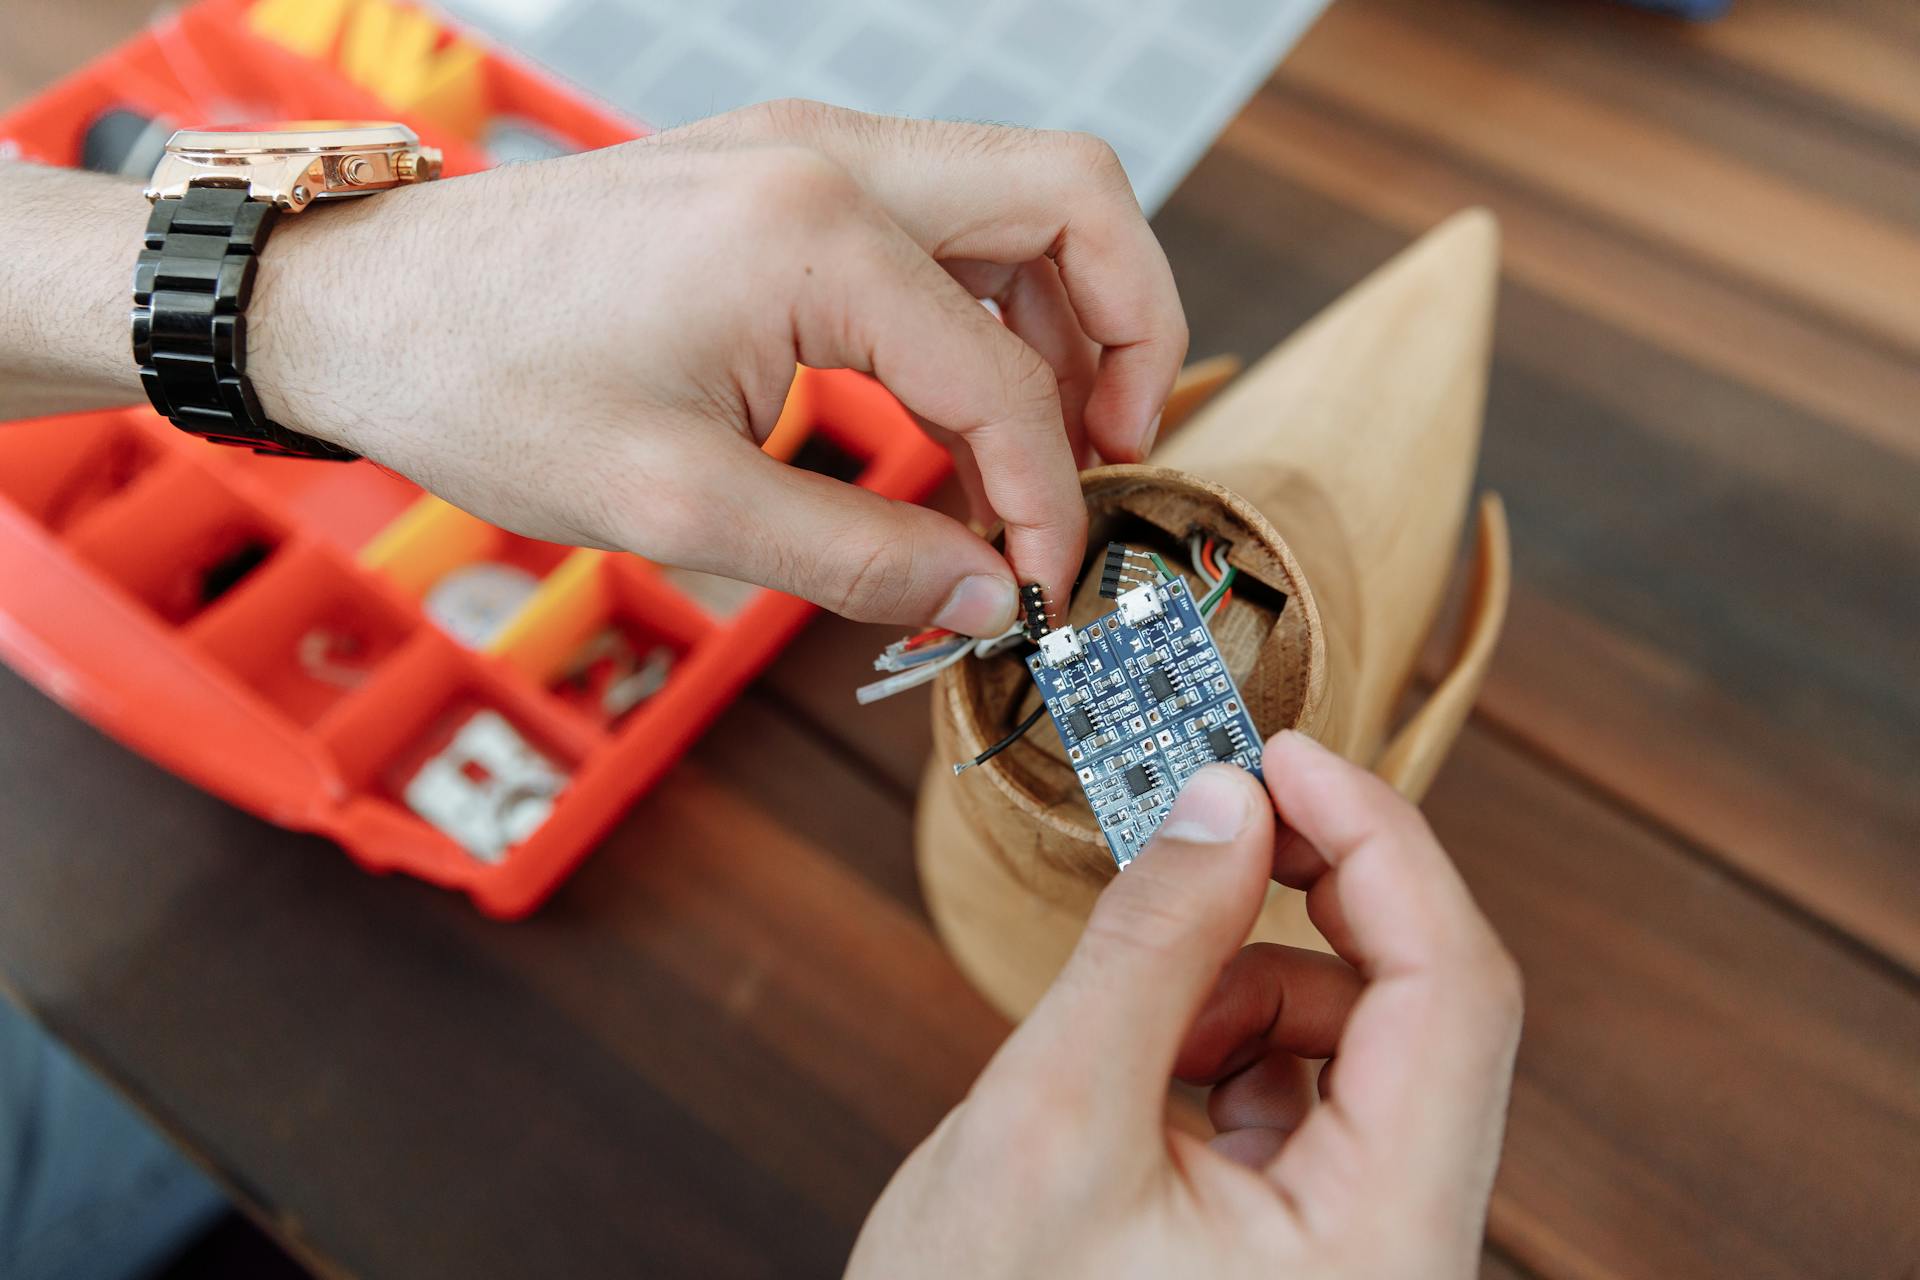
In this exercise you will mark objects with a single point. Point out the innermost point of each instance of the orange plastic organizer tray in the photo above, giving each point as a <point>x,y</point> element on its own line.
<point>110,523</point>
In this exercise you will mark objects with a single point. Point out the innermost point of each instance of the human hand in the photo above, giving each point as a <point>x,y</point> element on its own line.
<point>1059,1162</point>
<point>591,349</point>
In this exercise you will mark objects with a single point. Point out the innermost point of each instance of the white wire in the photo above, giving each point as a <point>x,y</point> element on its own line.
<point>1200,565</point>
<point>923,672</point>
<point>911,678</point>
<point>909,659</point>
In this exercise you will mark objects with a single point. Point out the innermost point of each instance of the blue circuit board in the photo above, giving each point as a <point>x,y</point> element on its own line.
<point>1142,701</point>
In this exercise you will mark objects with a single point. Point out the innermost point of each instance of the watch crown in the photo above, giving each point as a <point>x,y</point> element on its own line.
<point>417,166</point>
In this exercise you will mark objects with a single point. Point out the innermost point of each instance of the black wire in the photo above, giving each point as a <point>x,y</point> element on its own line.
<point>1018,732</point>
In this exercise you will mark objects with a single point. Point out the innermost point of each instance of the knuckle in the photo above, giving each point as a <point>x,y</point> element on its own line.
<point>1179,336</point>
<point>1095,158</point>
<point>1491,989</point>
<point>1505,986</point>
<point>796,184</point>
<point>787,118</point>
<point>664,527</point>
<point>1032,385</point>
<point>872,582</point>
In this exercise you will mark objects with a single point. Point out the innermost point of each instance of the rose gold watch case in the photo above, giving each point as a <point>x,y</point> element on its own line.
<point>296,164</point>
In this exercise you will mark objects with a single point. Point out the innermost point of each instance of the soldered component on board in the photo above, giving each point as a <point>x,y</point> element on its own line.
<point>1139,604</point>
<point>1143,701</point>
<point>1057,648</point>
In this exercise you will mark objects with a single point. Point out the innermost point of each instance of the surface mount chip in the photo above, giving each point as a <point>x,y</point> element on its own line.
<point>1142,701</point>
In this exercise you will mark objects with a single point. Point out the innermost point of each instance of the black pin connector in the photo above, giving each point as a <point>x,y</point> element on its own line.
<point>1112,570</point>
<point>1033,610</point>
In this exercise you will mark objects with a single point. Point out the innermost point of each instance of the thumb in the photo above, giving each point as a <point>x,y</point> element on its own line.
<point>848,549</point>
<point>1110,1026</point>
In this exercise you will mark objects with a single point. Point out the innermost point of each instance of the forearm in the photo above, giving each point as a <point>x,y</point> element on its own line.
<point>67,245</point>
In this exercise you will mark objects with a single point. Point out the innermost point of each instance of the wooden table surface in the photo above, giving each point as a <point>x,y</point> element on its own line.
<point>1690,798</point>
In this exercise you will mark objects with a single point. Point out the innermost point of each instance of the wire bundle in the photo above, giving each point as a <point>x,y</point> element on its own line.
<point>917,659</point>
<point>1210,562</point>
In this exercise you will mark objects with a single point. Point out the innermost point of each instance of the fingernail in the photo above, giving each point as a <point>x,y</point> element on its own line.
<point>1210,809</point>
<point>982,605</point>
<point>1148,436</point>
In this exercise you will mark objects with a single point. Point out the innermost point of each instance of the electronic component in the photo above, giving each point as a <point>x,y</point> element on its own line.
<point>612,673</point>
<point>1057,648</point>
<point>488,788</point>
<point>1139,604</point>
<point>1141,706</point>
<point>918,659</point>
<point>474,602</point>
<point>1124,568</point>
<point>1033,611</point>
<point>1019,732</point>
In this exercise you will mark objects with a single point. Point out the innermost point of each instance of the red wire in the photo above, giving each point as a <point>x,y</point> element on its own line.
<point>927,637</point>
<point>1219,566</point>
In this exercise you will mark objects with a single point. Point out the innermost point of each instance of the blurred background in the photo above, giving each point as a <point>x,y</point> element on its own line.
<point>1690,796</point>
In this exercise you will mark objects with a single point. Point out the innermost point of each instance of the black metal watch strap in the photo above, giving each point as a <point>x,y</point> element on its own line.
<point>190,293</point>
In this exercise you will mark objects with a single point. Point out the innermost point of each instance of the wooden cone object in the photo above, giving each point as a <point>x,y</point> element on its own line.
<point>1338,469</point>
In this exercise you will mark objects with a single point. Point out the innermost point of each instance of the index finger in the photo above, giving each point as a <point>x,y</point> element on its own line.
<point>1011,195</point>
<point>889,309</point>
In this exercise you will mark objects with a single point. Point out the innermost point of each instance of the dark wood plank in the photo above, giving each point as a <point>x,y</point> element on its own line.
<point>1834,840</point>
<point>1862,55</point>
<point>1741,542</point>
<point>1594,154</point>
<point>1706,1088</point>
<point>1696,312</point>
<point>1497,1266</point>
<point>1692,81</point>
<point>705,1057</point>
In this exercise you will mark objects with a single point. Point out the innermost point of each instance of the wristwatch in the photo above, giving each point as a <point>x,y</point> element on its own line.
<point>216,193</point>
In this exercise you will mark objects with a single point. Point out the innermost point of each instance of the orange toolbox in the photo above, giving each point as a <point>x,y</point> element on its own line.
<point>324,644</point>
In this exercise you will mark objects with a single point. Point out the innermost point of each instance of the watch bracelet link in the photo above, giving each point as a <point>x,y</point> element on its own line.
<point>191,285</point>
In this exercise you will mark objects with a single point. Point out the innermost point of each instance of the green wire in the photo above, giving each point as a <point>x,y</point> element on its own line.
<point>1213,597</point>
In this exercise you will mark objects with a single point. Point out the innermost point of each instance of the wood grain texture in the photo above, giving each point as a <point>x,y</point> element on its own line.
<point>1687,797</point>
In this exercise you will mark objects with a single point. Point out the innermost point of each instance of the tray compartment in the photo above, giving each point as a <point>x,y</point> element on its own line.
<point>59,470</point>
<point>414,710</point>
<point>606,635</point>
<point>177,539</point>
<point>347,504</point>
<point>471,578</point>
<point>822,428</point>
<point>306,632</point>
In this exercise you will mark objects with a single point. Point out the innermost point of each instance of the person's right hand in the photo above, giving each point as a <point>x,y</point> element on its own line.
<point>591,349</point>
<point>1059,1163</point>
